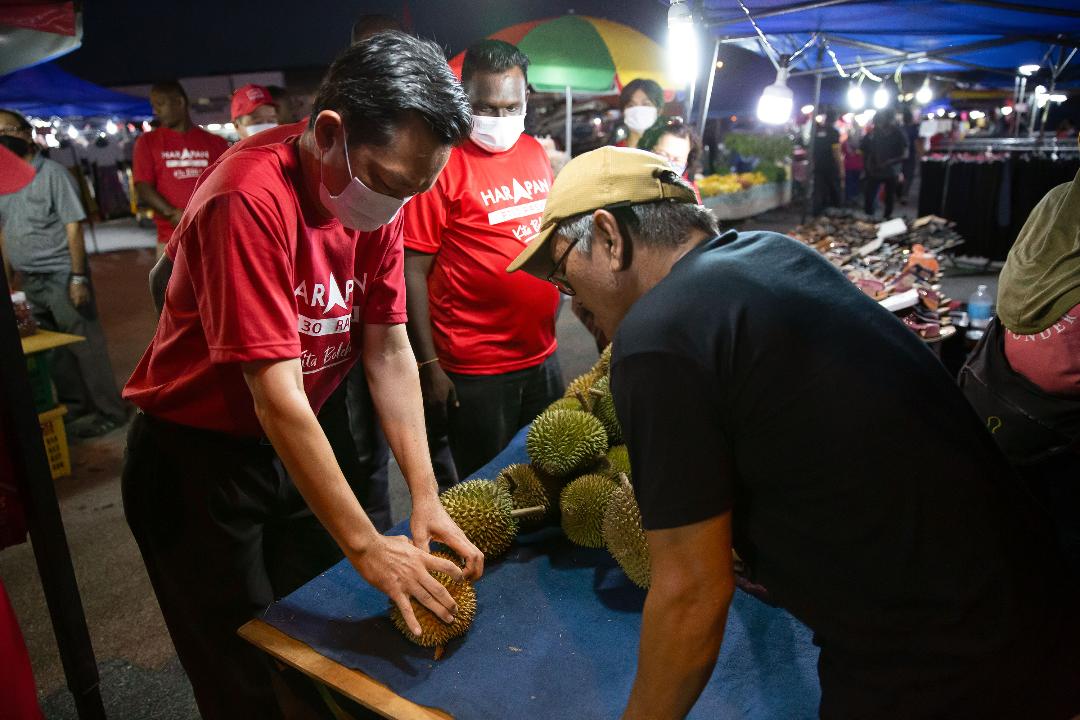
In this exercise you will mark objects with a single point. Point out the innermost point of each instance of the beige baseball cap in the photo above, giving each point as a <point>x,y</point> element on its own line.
<point>609,176</point>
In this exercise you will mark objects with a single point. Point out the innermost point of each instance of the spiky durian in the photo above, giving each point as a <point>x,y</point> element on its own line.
<point>483,512</point>
<point>604,409</point>
<point>583,503</point>
<point>624,535</point>
<point>579,388</point>
<point>603,365</point>
<point>562,442</point>
<point>565,403</point>
<point>528,489</point>
<point>618,460</point>
<point>435,632</point>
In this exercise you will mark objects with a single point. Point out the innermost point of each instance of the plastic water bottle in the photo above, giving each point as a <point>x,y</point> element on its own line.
<point>980,308</point>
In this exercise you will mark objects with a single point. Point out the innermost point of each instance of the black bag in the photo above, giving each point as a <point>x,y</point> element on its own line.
<point>1028,424</point>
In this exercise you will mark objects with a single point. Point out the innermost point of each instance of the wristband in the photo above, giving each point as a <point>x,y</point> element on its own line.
<point>426,362</point>
<point>78,279</point>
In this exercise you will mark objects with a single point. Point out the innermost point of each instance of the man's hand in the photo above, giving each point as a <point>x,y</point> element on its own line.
<point>79,292</point>
<point>430,522</point>
<point>439,393</point>
<point>173,216</point>
<point>400,570</point>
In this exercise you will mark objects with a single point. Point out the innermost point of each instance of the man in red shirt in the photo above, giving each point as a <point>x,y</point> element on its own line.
<point>485,340</point>
<point>169,160</point>
<point>288,267</point>
<point>253,110</point>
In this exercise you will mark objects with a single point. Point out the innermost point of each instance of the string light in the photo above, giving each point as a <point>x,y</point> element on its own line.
<point>924,95</point>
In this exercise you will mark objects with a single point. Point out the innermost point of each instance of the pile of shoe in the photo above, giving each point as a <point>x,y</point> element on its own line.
<point>900,270</point>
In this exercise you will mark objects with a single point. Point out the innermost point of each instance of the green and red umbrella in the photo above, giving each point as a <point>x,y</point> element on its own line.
<point>586,54</point>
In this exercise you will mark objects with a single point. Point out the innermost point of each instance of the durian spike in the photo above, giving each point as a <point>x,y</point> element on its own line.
<point>534,510</point>
<point>439,650</point>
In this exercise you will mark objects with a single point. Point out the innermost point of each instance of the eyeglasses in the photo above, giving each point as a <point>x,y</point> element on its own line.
<point>557,276</point>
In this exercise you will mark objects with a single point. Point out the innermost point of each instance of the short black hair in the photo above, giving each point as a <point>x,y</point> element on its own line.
<point>20,119</point>
<point>375,83</point>
<point>649,87</point>
<point>368,24</point>
<point>172,87</point>
<point>493,56</point>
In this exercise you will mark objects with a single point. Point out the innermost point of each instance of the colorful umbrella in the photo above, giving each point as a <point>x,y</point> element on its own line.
<point>582,54</point>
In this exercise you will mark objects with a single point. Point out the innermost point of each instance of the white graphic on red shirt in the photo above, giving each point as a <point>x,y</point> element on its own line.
<point>515,193</point>
<point>321,299</point>
<point>186,164</point>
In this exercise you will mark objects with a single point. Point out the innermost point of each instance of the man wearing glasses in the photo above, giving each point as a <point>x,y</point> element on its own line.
<point>768,406</point>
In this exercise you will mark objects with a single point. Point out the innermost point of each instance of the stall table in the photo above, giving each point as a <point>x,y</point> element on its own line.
<point>555,636</point>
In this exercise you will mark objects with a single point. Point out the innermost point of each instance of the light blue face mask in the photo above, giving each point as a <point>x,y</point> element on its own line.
<point>358,207</point>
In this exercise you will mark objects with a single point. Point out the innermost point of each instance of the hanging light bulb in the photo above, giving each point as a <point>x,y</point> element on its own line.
<point>925,94</point>
<point>110,128</point>
<point>682,43</point>
<point>777,100</point>
<point>856,98</point>
<point>1006,110</point>
<point>881,97</point>
<point>1028,70</point>
<point>72,132</point>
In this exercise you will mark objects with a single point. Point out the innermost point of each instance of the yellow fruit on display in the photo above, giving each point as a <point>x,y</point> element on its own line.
<point>483,511</point>
<point>618,460</point>
<point>529,489</point>
<point>562,442</point>
<point>435,632</point>
<point>604,409</point>
<point>579,388</point>
<point>603,365</point>
<point>624,535</point>
<point>565,403</point>
<point>583,503</point>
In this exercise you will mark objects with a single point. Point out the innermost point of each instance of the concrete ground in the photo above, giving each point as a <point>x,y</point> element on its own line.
<point>140,675</point>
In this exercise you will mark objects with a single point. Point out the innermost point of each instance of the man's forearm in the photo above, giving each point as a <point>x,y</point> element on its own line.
<point>159,282</point>
<point>77,247</point>
<point>681,635</point>
<point>416,297</point>
<point>395,391</point>
<point>300,442</point>
<point>153,199</point>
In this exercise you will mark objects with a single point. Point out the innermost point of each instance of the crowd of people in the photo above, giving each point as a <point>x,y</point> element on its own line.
<point>385,275</point>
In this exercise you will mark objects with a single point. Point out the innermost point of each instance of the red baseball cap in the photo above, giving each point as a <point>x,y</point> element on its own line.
<point>15,173</point>
<point>249,97</point>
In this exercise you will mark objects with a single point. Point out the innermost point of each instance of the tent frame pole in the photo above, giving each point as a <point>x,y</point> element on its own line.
<point>569,122</point>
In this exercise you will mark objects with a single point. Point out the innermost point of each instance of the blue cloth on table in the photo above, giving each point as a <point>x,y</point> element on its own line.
<point>555,637</point>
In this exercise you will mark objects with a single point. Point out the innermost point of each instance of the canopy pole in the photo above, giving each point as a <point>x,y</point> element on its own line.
<point>808,206</point>
<point>709,87</point>
<point>569,122</point>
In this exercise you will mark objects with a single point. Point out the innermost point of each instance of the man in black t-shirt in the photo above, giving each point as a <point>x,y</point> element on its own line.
<point>827,163</point>
<point>770,406</point>
<point>884,150</point>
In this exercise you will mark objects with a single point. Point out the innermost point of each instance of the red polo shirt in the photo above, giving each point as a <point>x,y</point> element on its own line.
<point>171,162</point>
<point>259,274</point>
<point>476,219</point>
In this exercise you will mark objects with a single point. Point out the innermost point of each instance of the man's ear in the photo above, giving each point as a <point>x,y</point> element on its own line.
<point>327,123</point>
<point>616,248</point>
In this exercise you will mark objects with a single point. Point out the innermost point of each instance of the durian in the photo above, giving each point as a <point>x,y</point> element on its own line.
<point>436,633</point>
<point>562,442</point>
<point>529,489</point>
<point>565,403</point>
<point>485,513</point>
<point>624,535</point>
<point>603,365</point>
<point>604,409</point>
<point>618,460</point>
<point>579,388</point>
<point>583,503</point>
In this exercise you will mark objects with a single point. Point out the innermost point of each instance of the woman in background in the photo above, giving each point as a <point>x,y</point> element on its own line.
<point>640,103</point>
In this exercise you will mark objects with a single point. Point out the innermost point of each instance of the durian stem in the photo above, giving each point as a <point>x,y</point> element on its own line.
<point>585,405</point>
<point>535,510</point>
<point>623,480</point>
<point>596,393</point>
<point>439,650</point>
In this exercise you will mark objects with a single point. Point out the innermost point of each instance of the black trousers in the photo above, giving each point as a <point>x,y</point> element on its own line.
<point>223,533</point>
<point>494,407</point>
<point>870,190</point>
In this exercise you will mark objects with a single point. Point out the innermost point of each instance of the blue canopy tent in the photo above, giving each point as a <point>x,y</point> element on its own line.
<point>46,90</point>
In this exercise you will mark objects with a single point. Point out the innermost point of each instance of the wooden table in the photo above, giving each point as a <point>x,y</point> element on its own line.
<point>47,340</point>
<point>353,684</point>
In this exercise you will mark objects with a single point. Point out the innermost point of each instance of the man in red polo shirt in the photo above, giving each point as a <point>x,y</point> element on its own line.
<point>288,267</point>
<point>169,160</point>
<point>253,110</point>
<point>485,340</point>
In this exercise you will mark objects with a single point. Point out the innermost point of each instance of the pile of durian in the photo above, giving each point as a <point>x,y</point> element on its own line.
<point>578,476</point>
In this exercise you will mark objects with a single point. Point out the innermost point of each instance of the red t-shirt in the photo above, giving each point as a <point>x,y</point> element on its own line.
<point>481,212</point>
<point>171,162</point>
<point>1050,359</point>
<point>259,274</point>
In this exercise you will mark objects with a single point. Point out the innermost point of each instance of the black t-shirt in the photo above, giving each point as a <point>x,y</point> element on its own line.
<point>824,139</point>
<point>884,149</point>
<point>865,493</point>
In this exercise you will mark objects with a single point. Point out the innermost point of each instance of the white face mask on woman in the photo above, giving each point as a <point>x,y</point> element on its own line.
<point>497,134</point>
<point>640,118</point>
<point>358,207</point>
<point>259,127</point>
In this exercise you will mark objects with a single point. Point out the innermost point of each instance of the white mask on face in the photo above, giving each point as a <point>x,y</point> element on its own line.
<point>497,134</point>
<point>259,127</point>
<point>358,207</point>
<point>640,118</point>
<point>679,168</point>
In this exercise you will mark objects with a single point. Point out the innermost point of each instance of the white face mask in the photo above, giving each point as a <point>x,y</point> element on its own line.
<point>497,134</point>
<point>679,168</point>
<point>358,207</point>
<point>259,127</point>
<point>640,118</point>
